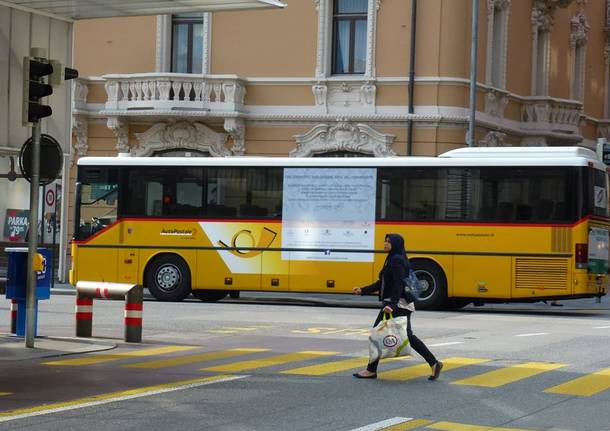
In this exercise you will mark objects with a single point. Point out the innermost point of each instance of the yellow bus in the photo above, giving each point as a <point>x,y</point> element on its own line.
<point>481,225</point>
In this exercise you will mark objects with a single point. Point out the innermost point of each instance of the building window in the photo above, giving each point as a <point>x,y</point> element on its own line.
<point>187,43</point>
<point>341,154</point>
<point>349,36</point>
<point>496,44</point>
<point>540,86</point>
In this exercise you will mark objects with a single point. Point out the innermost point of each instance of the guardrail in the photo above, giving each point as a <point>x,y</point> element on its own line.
<point>133,295</point>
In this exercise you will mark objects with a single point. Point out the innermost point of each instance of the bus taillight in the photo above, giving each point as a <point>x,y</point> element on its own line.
<point>581,256</point>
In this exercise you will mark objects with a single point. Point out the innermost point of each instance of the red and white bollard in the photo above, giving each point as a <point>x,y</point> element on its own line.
<point>133,315</point>
<point>84,316</point>
<point>133,294</point>
<point>14,306</point>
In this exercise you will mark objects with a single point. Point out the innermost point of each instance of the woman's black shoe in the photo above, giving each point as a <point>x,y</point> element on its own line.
<point>437,371</point>
<point>360,376</point>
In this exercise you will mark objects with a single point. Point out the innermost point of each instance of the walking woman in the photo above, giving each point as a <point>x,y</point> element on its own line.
<point>392,295</point>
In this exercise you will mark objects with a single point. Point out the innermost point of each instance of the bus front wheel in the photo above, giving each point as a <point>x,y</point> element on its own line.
<point>168,278</point>
<point>209,295</point>
<point>434,289</point>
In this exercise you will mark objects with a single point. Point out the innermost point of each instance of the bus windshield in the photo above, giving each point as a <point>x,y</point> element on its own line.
<point>97,192</point>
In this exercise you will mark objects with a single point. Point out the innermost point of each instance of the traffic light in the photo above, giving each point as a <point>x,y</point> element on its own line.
<point>35,69</point>
<point>34,89</point>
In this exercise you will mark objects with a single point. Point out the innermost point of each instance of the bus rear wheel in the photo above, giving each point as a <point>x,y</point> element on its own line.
<point>168,278</point>
<point>434,290</point>
<point>209,295</point>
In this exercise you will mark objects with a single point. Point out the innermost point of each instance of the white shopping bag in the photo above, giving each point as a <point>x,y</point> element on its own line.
<point>389,339</point>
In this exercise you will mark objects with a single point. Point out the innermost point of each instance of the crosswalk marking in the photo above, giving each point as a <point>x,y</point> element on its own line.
<point>268,362</point>
<point>336,366</point>
<point>585,386</point>
<point>422,370</point>
<point>97,359</point>
<point>504,376</point>
<point>201,357</point>
<point>454,426</point>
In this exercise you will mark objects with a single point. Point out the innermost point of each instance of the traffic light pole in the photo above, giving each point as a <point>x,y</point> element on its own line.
<point>30,299</point>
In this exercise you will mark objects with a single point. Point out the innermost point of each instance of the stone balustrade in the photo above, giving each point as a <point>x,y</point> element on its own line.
<point>556,112</point>
<point>174,92</point>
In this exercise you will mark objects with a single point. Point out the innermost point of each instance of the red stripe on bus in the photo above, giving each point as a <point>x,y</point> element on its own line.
<point>133,321</point>
<point>134,306</point>
<point>84,315</point>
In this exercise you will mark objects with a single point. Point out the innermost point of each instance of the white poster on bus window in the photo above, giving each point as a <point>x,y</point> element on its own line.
<point>330,210</point>
<point>601,200</point>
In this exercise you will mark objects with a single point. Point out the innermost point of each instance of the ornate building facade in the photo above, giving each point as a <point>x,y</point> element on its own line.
<point>331,77</point>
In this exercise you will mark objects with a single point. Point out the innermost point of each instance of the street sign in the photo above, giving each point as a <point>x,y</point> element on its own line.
<point>51,159</point>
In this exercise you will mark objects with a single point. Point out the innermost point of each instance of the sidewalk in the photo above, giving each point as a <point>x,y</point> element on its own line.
<point>13,348</point>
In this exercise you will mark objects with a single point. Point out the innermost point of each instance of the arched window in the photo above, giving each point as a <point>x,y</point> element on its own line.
<point>180,153</point>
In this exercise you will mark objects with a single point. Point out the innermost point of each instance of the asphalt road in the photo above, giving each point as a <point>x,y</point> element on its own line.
<point>246,365</point>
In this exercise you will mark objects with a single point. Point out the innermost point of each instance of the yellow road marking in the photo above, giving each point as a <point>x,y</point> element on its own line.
<point>405,426</point>
<point>111,397</point>
<point>584,386</point>
<point>335,366</point>
<point>496,378</point>
<point>453,426</point>
<point>96,359</point>
<point>2,394</point>
<point>207,356</point>
<point>268,362</point>
<point>422,370</point>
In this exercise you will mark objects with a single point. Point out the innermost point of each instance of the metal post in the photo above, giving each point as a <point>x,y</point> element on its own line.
<point>473,71</point>
<point>412,76</point>
<point>33,238</point>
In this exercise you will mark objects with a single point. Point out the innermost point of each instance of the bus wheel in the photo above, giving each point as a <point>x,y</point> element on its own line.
<point>168,278</point>
<point>209,295</point>
<point>434,291</point>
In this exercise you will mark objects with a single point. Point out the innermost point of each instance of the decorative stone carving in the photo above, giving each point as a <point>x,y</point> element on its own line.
<point>343,136</point>
<point>320,91</point>
<point>493,139</point>
<point>80,130</point>
<point>237,129</point>
<point>542,13</point>
<point>495,103</point>
<point>353,94</point>
<point>80,91</point>
<point>368,91</point>
<point>579,30</point>
<point>497,4</point>
<point>181,135</point>
<point>120,128</point>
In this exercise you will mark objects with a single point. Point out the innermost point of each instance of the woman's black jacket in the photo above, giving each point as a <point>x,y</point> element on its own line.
<point>392,275</point>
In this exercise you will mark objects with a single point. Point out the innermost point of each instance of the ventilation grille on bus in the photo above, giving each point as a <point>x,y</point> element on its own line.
<point>561,239</point>
<point>533,273</point>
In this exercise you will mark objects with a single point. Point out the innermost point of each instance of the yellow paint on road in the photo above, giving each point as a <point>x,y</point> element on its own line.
<point>97,359</point>
<point>454,426</point>
<point>202,357</point>
<point>336,366</point>
<point>405,426</point>
<point>504,376</point>
<point>268,362</point>
<point>3,394</point>
<point>422,370</point>
<point>585,386</point>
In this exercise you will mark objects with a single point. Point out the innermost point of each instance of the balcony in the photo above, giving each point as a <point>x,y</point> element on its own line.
<point>552,115</point>
<point>161,93</point>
